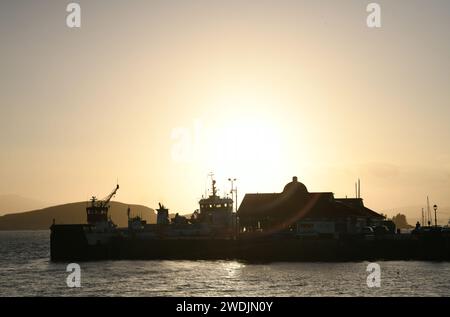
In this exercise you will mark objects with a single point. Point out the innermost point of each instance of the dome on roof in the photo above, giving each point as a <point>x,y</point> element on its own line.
<point>295,187</point>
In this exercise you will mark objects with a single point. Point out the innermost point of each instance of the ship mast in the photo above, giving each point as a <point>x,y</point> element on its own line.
<point>423,218</point>
<point>214,190</point>
<point>213,181</point>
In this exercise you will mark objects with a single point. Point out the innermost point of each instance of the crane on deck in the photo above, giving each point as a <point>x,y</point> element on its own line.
<point>98,210</point>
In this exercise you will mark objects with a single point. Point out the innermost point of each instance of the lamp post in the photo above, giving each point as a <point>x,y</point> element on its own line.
<point>233,190</point>
<point>435,215</point>
<point>236,229</point>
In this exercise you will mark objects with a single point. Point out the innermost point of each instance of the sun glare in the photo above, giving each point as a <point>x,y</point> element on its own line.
<point>248,143</point>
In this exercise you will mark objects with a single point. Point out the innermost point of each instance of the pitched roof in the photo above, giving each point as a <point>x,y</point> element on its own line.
<point>358,203</point>
<point>280,206</point>
<point>295,202</point>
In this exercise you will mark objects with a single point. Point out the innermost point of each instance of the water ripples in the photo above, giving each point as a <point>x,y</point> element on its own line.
<point>25,270</point>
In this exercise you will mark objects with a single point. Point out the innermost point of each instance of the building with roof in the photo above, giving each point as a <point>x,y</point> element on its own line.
<point>298,211</point>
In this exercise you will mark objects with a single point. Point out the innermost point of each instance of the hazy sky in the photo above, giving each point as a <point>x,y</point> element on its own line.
<point>160,93</point>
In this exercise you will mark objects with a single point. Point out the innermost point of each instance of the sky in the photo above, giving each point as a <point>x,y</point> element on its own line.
<point>158,94</point>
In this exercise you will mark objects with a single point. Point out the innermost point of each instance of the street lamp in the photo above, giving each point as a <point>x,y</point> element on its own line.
<point>232,180</point>
<point>435,215</point>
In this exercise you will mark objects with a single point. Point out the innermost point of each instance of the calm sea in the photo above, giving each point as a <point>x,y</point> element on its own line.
<point>25,270</point>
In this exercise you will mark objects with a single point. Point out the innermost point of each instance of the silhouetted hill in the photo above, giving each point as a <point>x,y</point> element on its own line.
<point>70,213</point>
<point>14,203</point>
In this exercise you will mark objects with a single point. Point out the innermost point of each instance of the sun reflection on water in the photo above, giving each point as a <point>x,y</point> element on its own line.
<point>232,270</point>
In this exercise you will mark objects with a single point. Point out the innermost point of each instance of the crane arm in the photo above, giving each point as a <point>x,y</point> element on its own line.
<point>108,198</point>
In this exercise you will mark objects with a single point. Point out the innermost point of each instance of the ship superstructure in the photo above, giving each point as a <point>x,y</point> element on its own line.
<point>97,211</point>
<point>214,218</point>
<point>216,211</point>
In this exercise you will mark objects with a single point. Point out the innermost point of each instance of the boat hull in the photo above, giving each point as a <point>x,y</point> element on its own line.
<point>69,243</point>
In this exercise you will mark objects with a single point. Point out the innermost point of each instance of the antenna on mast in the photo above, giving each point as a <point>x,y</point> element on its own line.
<point>211,176</point>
